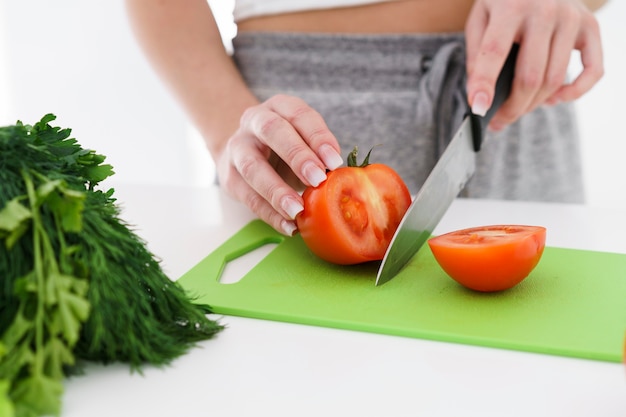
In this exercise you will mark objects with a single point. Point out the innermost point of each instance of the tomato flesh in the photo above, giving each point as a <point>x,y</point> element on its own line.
<point>489,258</point>
<point>351,217</point>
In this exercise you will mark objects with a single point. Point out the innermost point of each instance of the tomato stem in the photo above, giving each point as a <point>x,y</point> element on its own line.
<point>352,161</point>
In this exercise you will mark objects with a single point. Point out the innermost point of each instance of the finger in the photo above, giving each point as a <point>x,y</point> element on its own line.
<point>252,181</point>
<point>253,166</point>
<point>311,127</point>
<point>274,131</point>
<point>264,210</point>
<point>474,32</point>
<point>590,47</point>
<point>500,33</point>
<point>561,48</point>
<point>530,70</point>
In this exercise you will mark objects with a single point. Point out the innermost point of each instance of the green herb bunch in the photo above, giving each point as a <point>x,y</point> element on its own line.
<point>76,283</point>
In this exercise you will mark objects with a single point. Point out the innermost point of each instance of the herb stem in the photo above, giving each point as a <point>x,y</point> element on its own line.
<point>39,274</point>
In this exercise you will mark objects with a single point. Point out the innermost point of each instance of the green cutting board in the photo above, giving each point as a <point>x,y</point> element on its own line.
<point>572,304</point>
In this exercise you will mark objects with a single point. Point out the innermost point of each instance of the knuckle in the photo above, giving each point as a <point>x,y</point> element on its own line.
<point>248,114</point>
<point>277,98</point>
<point>589,21</point>
<point>554,81</point>
<point>233,143</point>
<point>530,80</point>
<point>319,134</point>
<point>247,167</point>
<point>494,47</point>
<point>256,203</point>
<point>267,125</point>
<point>274,100</point>
<point>274,194</point>
<point>298,112</point>
<point>517,7</point>
<point>275,220</point>
<point>282,100</point>
<point>571,16</point>
<point>548,10</point>
<point>295,153</point>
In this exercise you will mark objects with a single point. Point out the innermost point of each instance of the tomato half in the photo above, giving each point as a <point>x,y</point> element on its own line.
<point>351,217</point>
<point>490,258</point>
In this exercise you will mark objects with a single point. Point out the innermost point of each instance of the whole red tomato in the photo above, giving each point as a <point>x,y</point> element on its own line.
<point>351,217</point>
<point>490,258</point>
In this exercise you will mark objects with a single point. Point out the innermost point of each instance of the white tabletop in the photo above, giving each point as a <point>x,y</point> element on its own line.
<point>258,367</point>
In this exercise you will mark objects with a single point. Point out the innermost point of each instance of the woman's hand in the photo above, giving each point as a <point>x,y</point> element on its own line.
<point>280,143</point>
<point>547,32</point>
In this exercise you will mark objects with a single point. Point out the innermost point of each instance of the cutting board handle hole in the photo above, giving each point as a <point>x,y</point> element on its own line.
<point>237,268</point>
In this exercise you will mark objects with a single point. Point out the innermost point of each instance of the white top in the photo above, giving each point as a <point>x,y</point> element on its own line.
<point>245,9</point>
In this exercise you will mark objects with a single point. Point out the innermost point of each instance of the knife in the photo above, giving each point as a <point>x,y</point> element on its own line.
<point>454,168</point>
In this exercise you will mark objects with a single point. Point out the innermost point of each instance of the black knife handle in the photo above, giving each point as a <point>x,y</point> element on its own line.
<point>503,89</point>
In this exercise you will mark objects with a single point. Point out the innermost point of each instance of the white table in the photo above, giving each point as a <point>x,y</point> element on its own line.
<point>257,367</point>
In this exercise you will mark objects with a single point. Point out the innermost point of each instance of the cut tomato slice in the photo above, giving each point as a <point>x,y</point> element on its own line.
<point>490,258</point>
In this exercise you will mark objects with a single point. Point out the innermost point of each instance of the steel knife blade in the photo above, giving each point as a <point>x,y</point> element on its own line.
<point>444,183</point>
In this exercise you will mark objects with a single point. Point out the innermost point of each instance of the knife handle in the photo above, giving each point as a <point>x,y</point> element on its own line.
<point>503,89</point>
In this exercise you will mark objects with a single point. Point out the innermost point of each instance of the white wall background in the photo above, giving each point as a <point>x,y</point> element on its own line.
<point>79,60</point>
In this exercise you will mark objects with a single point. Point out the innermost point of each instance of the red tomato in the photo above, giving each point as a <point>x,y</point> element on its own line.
<point>490,258</point>
<point>351,217</point>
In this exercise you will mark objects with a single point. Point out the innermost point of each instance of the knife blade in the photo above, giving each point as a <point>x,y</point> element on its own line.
<point>444,183</point>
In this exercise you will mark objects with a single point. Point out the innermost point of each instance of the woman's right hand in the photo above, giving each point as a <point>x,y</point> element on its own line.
<point>548,31</point>
<point>281,144</point>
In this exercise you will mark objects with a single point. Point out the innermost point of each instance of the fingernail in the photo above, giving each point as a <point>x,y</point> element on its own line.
<point>480,104</point>
<point>330,157</point>
<point>313,174</point>
<point>291,206</point>
<point>288,227</point>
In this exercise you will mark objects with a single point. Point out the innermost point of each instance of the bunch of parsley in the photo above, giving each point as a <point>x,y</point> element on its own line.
<point>76,283</point>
